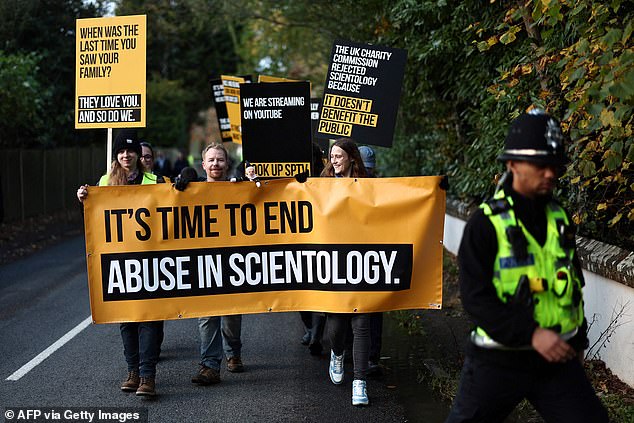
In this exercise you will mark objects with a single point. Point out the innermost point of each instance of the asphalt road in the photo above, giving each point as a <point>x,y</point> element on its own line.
<point>45,296</point>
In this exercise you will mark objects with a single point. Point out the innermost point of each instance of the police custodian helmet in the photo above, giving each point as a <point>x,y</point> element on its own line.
<point>535,137</point>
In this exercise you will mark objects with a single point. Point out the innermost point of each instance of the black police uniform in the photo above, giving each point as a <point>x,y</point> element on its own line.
<point>494,381</point>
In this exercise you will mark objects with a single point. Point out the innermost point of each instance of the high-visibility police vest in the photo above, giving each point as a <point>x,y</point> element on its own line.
<point>547,271</point>
<point>148,178</point>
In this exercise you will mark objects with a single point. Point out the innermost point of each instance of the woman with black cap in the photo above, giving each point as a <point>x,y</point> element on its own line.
<point>141,340</point>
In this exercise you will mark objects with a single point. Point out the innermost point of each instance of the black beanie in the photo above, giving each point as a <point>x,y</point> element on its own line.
<point>127,139</point>
<point>535,137</point>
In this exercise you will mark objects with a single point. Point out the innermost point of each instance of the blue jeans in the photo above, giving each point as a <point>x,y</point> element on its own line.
<point>142,346</point>
<point>210,342</point>
<point>231,333</point>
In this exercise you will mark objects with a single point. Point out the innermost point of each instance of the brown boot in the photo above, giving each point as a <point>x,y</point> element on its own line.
<point>146,388</point>
<point>206,376</point>
<point>131,383</point>
<point>234,365</point>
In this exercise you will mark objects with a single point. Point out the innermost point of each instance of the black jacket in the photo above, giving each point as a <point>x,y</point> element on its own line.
<point>511,325</point>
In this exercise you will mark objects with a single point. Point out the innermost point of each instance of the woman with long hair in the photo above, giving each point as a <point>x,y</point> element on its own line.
<point>345,162</point>
<point>141,340</point>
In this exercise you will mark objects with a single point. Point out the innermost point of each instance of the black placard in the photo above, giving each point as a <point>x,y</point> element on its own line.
<point>315,108</point>
<point>217,91</point>
<point>276,127</point>
<point>362,92</point>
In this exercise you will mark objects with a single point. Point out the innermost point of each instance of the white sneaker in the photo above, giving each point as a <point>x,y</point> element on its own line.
<point>359,393</point>
<point>335,370</point>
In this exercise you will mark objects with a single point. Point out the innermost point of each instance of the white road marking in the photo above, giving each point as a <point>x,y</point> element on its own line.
<point>50,350</point>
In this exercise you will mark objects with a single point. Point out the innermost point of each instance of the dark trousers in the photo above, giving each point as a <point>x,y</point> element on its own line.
<point>561,393</point>
<point>338,328</point>
<point>376,335</point>
<point>142,346</point>
<point>314,323</point>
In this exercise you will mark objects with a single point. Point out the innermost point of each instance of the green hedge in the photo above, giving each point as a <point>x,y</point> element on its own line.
<point>474,66</point>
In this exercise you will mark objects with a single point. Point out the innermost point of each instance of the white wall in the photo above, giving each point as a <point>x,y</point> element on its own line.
<point>603,299</point>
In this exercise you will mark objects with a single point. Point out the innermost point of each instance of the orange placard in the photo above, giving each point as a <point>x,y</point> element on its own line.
<point>110,72</point>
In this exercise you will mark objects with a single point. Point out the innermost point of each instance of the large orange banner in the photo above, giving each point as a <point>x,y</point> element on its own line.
<point>329,244</point>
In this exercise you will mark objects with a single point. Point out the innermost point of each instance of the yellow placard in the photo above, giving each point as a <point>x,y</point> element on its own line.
<point>334,128</point>
<point>329,244</point>
<point>110,72</point>
<point>348,116</point>
<point>267,78</point>
<point>231,86</point>
<point>348,103</point>
<point>280,170</point>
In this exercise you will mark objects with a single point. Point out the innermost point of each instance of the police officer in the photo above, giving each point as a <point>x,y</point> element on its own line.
<point>520,281</point>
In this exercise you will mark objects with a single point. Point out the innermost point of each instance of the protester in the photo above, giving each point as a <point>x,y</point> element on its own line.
<point>369,160</point>
<point>162,165</point>
<point>141,340</point>
<point>147,155</point>
<point>376,319</point>
<point>345,162</point>
<point>147,158</point>
<point>314,322</point>
<point>215,330</point>
<point>520,280</point>
<point>180,164</point>
<point>318,158</point>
